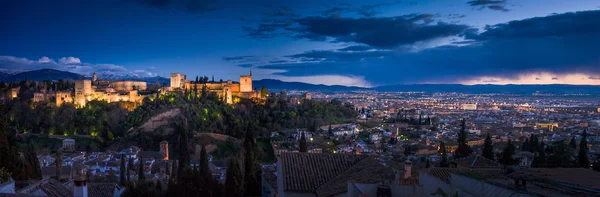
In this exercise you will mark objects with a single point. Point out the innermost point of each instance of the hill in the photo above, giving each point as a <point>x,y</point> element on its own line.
<point>41,75</point>
<point>277,85</point>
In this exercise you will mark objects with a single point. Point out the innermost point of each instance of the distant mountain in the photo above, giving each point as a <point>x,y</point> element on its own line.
<point>149,80</point>
<point>277,85</point>
<point>41,75</point>
<point>488,88</point>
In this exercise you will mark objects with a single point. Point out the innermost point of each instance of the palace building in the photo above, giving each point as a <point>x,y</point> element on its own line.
<point>228,90</point>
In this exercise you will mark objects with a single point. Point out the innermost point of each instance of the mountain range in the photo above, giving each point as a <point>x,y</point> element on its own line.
<point>277,85</point>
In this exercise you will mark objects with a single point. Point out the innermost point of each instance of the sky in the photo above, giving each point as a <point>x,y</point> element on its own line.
<point>352,42</point>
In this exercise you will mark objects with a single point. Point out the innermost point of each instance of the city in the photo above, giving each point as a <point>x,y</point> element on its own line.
<point>385,99</point>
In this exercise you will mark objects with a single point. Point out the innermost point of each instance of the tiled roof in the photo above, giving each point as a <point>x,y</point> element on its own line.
<point>477,162</point>
<point>444,173</point>
<point>368,171</point>
<point>51,171</point>
<point>101,189</point>
<point>271,179</point>
<point>56,189</point>
<point>328,174</point>
<point>305,172</point>
<point>151,154</point>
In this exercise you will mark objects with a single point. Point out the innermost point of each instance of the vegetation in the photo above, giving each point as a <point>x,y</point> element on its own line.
<point>463,150</point>
<point>488,148</point>
<point>444,163</point>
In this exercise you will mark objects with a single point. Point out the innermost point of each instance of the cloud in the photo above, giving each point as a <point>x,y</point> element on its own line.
<point>498,5</point>
<point>563,45</point>
<point>537,78</point>
<point>380,32</point>
<point>45,59</point>
<point>369,10</point>
<point>245,65</point>
<point>239,58</point>
<point>69,60</point>
<point>193,6</point>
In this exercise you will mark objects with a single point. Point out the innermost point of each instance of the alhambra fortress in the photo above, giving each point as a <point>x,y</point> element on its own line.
<point>87,90</point>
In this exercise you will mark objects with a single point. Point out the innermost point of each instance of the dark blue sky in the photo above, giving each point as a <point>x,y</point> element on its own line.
<point>364,43</point>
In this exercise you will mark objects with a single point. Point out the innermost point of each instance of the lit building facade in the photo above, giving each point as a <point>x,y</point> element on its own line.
<point>227,90</point>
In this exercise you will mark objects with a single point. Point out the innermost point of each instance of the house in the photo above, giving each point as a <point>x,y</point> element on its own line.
<point>314,174</point>
<point>50,172</point>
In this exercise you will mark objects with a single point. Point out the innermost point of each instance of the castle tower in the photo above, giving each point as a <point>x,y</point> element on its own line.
<point>246,83</point>
<point>177,80</point>
<point>94,77</point>
<point>164,148</point>
<point>83,90</point>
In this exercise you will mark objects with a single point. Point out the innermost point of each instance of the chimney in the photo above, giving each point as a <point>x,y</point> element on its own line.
<point>80,187</point>
<point>407,169</point>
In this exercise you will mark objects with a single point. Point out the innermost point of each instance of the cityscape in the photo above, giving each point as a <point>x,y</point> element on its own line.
<point>300,98</point>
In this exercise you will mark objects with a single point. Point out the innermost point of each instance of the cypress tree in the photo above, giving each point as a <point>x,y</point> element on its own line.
<point>251,183</point>
<point>303,146</point>
<point>204,169</point>
<point>122,171</point>
<point>488,149</point>
<point>58,163</point>
<point>34,163</point>
<point>463,149</point>
<point>233,179</point>
<point>525,145</point>
<point>184,154</point>
<point>174,170</point>
<point>141,175</point>
<point>444,163</point>
<point>582,158</point>
<point>129,168</point>
<point>263,92</point>
<point>507,154</point>
<point>573,143</point>
<point>330,131</point>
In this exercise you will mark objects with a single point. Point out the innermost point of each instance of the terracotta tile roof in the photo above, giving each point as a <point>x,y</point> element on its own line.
<point>368,171</point>
<point>271,179</point>
<point>476,162</point>
<point>305,172</point>
<point>444,173</point>
<point>101,189</point>
<point>151,154</point>
<point>56,189</point>
<point>574,176</point>
<point>328,174</point>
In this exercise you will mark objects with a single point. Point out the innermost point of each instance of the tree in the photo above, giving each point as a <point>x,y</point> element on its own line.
<point>507,154</point>
<point>303,146</point>
<point>184,154</point>
<point>122,171</point>
<point>463,150</point>
<point>573,143</point>
<point>58,162</point>
<point>251,182</point>
<point>233,179</point>
<point>525,145</point>
<point>263,92</point>
<point>582,158</point>
<point>174,171</point>
<point>330,131</point>
<point>129,167</point>
<point>488,148</point>
<point>33,162</point>
<point>444,163</point>
<point>539,159</point>
<point>562,155</point>
<point>204,169</point>
<point>141,175</point>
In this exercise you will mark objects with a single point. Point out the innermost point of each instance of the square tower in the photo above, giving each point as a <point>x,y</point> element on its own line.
<point>246,83</point>
<point>83,90</point>
<point>177,80</point>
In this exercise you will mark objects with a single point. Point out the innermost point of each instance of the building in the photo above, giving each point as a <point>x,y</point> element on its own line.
<point>14,92</point>
<point>68,145</point>
<point>470,106</point>
<point>229,91</point>
<point>549,126</point>
<point>116,91</point>
<point>164,149</point>
<point>306,174</point>
<point>177,80</point>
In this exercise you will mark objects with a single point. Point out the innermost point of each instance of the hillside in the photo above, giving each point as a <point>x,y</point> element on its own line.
<point>277,85</point>
<point>41,75</point>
